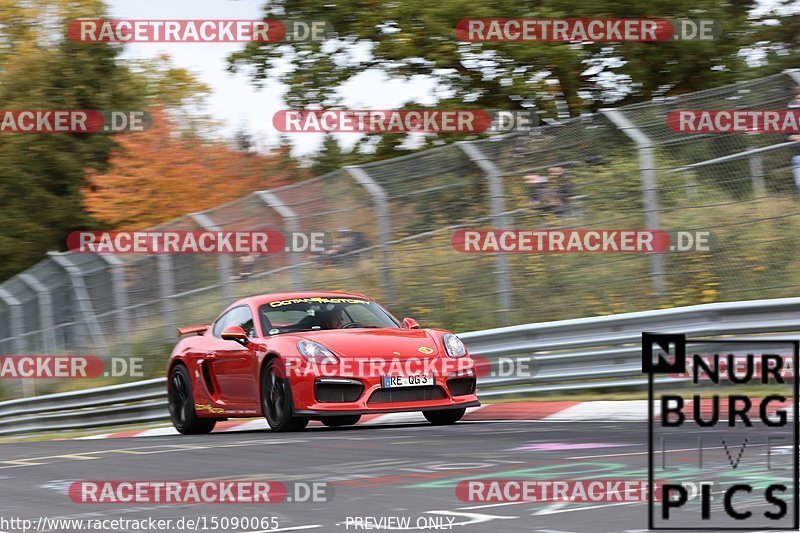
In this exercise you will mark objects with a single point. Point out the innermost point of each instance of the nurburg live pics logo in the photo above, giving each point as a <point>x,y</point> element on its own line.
<point>725,434</point>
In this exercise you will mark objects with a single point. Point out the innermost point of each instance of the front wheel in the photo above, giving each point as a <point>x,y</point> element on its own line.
<point>338,421</point>
<point>276,399</point>
<point>445,417</point>
<point>181,404</point>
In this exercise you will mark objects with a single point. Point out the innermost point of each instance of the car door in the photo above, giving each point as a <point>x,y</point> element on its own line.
<point>234,365</point>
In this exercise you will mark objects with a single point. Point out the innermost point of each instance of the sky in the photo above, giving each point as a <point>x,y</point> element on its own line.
<point>234,99</point>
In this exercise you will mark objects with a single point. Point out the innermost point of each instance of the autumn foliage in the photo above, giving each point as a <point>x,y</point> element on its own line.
<point>158,175</point>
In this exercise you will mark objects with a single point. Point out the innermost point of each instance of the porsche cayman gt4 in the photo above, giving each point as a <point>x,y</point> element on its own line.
<point>328,356</point>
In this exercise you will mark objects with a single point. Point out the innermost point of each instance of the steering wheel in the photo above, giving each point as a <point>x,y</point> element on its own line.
<point>352,325</point>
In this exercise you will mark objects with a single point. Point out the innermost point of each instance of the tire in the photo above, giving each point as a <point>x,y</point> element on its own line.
<point>445,417</point>
<point>339,421</point>
<point>181,404</point>
<point>276,399</point>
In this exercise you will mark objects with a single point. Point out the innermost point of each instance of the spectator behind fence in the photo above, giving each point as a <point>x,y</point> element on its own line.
<point>345,245</point>
<point>551,193</point>
<point>561,190</point>
<point>794,105</point>
<point>536,186</point>
<point>246,263</point>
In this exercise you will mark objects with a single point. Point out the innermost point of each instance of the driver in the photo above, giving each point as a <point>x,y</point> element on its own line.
<point>335,318</point>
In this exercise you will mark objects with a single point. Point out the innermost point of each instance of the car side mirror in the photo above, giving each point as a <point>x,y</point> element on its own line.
<point>235,333</point>
<point>410,323</point>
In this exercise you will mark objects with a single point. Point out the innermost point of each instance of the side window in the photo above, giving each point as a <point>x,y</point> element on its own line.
<point>242,317</point>
<point>221,323</point>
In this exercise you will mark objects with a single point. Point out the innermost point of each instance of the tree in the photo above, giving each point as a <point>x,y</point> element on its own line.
<point>178,90</point>
<point>416,37</point>
<point>157,175</point>
<point>329,158</point>
<point>777,35</point>
<point>41,173</point>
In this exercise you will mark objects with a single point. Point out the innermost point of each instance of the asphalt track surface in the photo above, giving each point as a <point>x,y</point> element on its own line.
<point>378,471</point>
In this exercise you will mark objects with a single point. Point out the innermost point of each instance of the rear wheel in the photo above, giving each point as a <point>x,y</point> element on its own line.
<point>338,421</point>
<point>181,404</point>
<point>445,417</point>
<point>276,399</point>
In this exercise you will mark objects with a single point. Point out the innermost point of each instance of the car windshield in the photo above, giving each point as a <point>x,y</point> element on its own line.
<point>318,313</point>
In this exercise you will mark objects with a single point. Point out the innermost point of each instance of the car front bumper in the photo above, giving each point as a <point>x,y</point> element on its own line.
<point>316,395</point>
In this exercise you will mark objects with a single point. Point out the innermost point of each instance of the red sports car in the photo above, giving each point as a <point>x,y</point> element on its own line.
<point>328,356</point>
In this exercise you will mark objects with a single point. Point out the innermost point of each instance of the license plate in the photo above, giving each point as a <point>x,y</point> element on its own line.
<point>390,382</point>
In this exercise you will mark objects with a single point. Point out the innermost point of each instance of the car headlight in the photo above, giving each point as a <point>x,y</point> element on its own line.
<point>453,346</point>
<point>315,352</point>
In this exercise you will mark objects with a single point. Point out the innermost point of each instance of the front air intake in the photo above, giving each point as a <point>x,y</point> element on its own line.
<point>461,386</point>
<point>334,390</point>
<point>408,394</point>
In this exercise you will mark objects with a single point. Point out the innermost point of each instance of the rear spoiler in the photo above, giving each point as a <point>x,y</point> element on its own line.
<point>192,329</point>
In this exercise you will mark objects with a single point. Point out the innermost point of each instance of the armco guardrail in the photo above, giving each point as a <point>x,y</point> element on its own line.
<point>142,401</point>
<point>586,353</point>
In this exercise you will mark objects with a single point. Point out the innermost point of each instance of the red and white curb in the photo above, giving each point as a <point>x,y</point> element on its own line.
<point>597,411</point>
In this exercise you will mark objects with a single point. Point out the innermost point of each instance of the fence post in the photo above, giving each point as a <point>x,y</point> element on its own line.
<point>224,260</point>
<point>45,305</point>
<point>499,221</point>
<point>166,289</point>
<point>118,288</point>
<point>757,175</point>
<point>82,299</point>
<point>290,223</point>
<point>647,168</point>
<point>17,329</point>
<point>381,200</point>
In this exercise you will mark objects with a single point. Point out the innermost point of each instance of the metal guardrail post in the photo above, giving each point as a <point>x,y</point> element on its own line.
<point>45,303</point>
<point>224,260</point>
<point>120,291</point>
<point>17,329</point>
<point>82,299</point>
<point>647,168</point>
<point>499,220</point>
<point>166,289</point>
<point>381,201</point>
<point>290,223</point>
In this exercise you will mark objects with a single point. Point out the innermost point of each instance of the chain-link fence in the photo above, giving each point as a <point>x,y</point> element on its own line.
<point>619,169</point>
